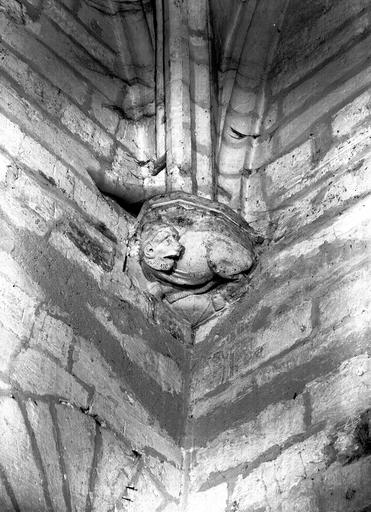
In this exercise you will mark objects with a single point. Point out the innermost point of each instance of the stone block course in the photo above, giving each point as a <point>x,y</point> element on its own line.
<point>146,497</point>
<point>17,309</point>
<point>71,26</point>
<point>300,126</point>
<point>249,350</point>
<point>71,53</point>
<point>241,445</point>
<point>343,394</point>
<point>35,373</point>
<point>324,38</point>
<point>42,60</point>
<point>43,428</point>
<point>53,336</point>
<point>77,438</point>
<point>161,368</point>
<point>290,481</point>
<point>17,457</point>
<point>279,390</point>
<point>330,74</point>
<point>116,467</point>
<point>61,144</point>
<point>93,430</point>
<point>9,345</point>
<point>351,115</point>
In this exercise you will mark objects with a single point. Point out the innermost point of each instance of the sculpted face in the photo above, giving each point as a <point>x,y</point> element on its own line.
<point>160,247</point>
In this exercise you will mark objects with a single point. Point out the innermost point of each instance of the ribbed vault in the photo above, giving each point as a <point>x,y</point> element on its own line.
<point>194,75</point>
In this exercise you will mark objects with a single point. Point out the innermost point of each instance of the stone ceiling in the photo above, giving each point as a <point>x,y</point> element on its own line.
<point>194,74</point>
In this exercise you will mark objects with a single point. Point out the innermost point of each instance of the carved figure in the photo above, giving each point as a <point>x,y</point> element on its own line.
<point>190,249</point>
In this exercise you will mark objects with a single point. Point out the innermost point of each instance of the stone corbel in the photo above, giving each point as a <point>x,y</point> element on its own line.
<point>192,253</point>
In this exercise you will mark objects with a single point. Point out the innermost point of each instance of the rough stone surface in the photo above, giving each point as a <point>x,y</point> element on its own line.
<point>77,433</point>
<point>44,430</point>
<point>264,106</point>
<point>81,432</point>
<point>17,458</point>
<point>300,335</point>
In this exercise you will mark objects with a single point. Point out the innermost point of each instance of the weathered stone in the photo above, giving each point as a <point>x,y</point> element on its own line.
<point>285,174</point>
<point>161,368</point>
<point>342,394</point>
<point>42,58</point>
<point>304,121</point>
<point>114,472</point>
<point>42,425</point>
<point>187,246</point>
<point>146,495</point>
<point>52,335</point>
<point>35,373</point>
<point>351,115</point>
<point>17,309</point>
<point>77,432</point>
<point>242,444</point>
<point>325,77</point>
<point>9,345</point>
<point>169,475</point>
<point>5,502</point>
<point>17,458</point>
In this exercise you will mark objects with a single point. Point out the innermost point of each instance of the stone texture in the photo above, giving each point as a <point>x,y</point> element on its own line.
<point>279,416</point>
<point>45,433</point>
<point>17,457</point>
<point>9,345</point>
<point>77,433</point>
<point>115,470</point>
<point>243,444</point>
<point>53,336</point>
<point>146,496</point>
<point>5,502</point>
<point>162,369</point>
<point>351,115</point>
<point>343,394</point>
<point>35,373</point>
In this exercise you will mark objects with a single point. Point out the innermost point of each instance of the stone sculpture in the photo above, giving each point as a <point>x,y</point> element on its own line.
<point>192,252</point>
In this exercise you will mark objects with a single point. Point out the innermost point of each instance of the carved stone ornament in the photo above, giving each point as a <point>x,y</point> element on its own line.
<point>192,252</point>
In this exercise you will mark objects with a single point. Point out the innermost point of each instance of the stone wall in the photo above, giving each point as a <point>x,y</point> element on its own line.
<point>91,371</point>
<point>280,398</point>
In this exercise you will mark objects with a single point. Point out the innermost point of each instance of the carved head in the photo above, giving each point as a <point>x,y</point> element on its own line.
<point>160,247</point>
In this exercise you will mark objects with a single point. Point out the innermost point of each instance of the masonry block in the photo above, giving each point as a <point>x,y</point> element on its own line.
<point>329,74</point>
<point>18,459</point>
<point>297,56</point>
<point>43,59</point>
<point>53,336</point>
<point>352,115</point>
<point>241,445</point>
<point>342,394</point>
<point>77,57</point>
<point>146,497</point>
<point>71,26</point>
<point>35,373</point>
<point>170,475</point>
<point>300,126</point>
<point>77,434</point>
<point>9,345</point>
<point>162,369</point>
<point>17,309</point>
<point>115,470</point>
<point>284,175</point>
<point>45,433</point>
